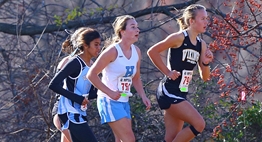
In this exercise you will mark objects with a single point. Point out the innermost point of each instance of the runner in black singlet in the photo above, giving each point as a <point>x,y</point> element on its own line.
<point>185,51</point>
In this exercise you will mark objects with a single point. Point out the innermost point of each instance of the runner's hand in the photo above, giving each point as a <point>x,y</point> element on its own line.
<point>147,102</point>
<point>208,57</point>
<point>85,101</point>
<point>173,74</point>
<point>115,95</point>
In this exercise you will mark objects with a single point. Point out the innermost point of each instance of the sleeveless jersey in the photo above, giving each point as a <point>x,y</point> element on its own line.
<point>183,60</point>
<point>118,74</point>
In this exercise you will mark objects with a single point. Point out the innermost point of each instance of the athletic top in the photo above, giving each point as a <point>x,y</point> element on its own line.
<point>118,74</point>
<point>183,60</point>
<point>75,84</point>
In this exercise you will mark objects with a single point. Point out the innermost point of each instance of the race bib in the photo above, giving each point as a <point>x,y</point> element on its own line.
<point>84,107</point>
<point>185,80</point>
<point>124,84</point>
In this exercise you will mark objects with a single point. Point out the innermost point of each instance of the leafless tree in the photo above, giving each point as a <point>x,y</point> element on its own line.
<point>30,47</point>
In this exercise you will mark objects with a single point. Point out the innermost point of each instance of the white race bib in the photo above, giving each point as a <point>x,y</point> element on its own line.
<point>185,80</point>
<point>124,84</point>
<point>84,107</point>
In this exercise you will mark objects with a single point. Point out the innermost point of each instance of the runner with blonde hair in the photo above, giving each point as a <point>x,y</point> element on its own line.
<point>185,51</point>
<point>120,67</point>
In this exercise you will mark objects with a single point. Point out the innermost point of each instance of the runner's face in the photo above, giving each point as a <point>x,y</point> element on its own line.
<point>131,32</point>
<point>200,21</point>
<point>94,47</point>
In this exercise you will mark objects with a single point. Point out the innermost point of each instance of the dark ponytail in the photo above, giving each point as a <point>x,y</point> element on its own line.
<point>67,46</point>
<point>75,42</point>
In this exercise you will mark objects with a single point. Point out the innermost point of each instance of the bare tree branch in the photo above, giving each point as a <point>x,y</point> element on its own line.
<point>35,30</point>
<point>28,63</point>
<point>251,28</point>
<point>2,2</point>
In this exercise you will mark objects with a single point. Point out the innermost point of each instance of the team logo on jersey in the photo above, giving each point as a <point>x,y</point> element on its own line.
<point>84,77</point>
<point>190,56</point>
<point>129,71</point>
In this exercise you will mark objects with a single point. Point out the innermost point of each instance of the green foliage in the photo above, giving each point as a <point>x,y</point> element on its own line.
<point>70,15</point>
<point>92,12</point>
<point>99,9</point>
<point>77,12</point>
<point>58,20</point>
<point>147,125</point>
<point>112,6</point>
<point>245,126</point>
<point>227,119</point>
<point>202,101</point>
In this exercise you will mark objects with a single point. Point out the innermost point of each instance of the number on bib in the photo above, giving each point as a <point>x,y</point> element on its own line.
<point>185,80</point>
<point>124,84</point>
